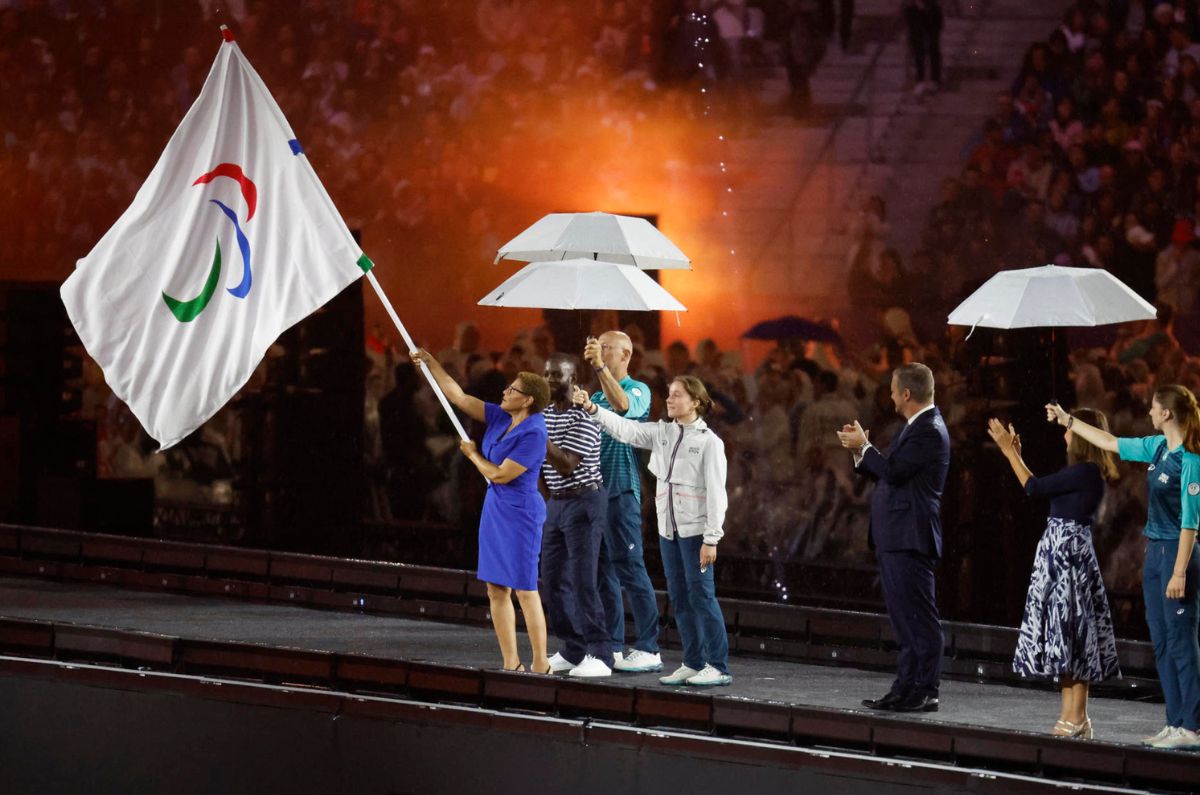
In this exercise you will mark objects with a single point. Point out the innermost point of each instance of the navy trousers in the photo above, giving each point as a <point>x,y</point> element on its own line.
<point>570,550</point>
<point>1173,625</point>
<point>622,566</point>
<point>693,595</point>
<point>908,591</point>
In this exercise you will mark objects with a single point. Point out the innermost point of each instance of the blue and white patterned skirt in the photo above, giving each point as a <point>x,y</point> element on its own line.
<point>1067,630</point>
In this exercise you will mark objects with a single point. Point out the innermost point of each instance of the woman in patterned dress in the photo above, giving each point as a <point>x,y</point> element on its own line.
<point>510,527</point>
<point>1066,631</point>
<point>1171,573</point>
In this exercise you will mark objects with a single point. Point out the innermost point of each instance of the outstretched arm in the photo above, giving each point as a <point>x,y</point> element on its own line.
<point>638,434</point>
<point>1102,439</point>
<point>471,406</point>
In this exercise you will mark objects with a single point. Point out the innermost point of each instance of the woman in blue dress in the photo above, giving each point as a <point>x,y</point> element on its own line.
<point>1171,575</point>
<point>510,528</point>
<point>1067,629</point>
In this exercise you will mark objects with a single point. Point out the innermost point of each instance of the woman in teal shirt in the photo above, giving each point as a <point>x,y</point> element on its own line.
<point>1171,575</point>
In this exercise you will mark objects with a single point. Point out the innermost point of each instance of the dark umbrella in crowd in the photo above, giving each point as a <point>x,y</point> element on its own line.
<point>792,327</point>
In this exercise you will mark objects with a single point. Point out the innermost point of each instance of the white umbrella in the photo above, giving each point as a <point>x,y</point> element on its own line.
<point>1051,296</point>
<point>581,284</point>
<point>614,238</point>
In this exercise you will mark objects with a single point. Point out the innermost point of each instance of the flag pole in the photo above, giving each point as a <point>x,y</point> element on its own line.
<point>412,346</point>
<point>227,35</point>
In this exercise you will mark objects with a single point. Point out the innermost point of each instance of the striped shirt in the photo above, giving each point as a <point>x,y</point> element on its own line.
<point>619,461</point>
<point>573,431</point>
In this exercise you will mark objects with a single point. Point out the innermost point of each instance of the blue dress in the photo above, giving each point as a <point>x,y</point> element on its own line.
<point>510,529</point>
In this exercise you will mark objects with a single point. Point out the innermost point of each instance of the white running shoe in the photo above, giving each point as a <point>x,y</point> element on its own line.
<point>638,662</point>
<point>680,677</point>
<point>1180,738</point>
<point>590,668</point>
<point>709,677</point>
<point>559,663</point>
<point>1163,732</point>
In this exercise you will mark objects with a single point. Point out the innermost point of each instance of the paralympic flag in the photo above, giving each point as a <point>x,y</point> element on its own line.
<point>231,240</point>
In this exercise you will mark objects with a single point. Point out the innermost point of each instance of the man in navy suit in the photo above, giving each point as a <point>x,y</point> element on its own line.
<point>906,533</point>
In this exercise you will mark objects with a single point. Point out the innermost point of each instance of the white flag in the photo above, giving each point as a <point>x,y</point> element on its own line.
<point>231,240</point>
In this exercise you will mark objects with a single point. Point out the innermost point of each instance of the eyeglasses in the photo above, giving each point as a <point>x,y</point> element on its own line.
<point>511,388</point>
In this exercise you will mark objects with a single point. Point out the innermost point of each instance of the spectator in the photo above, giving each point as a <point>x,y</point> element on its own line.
<point>924,21</point>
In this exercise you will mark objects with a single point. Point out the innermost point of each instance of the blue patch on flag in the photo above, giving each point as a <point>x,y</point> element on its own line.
<point>297,149</point>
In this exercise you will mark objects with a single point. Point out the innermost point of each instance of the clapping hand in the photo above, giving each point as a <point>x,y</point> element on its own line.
<point>853,436</point>
<point>1005,438</point>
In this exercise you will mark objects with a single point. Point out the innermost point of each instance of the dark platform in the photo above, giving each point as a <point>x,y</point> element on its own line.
<point>255,635</point>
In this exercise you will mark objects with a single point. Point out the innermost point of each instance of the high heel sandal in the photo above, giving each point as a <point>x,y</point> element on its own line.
<point>1078,731</point>
<point>520,669</point>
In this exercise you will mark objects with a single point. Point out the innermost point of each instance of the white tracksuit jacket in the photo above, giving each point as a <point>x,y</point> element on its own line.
<point>689,462</point>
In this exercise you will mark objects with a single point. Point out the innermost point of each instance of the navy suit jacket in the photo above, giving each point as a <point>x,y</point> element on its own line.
<point>907,503</point>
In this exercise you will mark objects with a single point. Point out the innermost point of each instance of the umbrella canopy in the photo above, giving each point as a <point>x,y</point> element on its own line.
<point>581,284</point>
<point>613,238</point>
<point>791,327</point>
<point>1051,296</point>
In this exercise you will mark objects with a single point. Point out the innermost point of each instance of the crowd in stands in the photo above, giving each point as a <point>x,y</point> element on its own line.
<point>1089,159</point>
<point>1092,159</point>
<point>419,112</point>
<point>435,126</point>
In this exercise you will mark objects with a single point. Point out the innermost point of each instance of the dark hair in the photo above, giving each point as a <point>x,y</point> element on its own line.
<point>1180,401</point>
<point>917,379</point>
<point>535,387</point>
<point>678,345</point>
<point>696,391</point>
<point>828,381</point>
<point>1080,450</point>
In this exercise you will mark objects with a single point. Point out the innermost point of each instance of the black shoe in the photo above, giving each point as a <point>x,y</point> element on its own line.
<point>888,701</point>
<point>917,702</point>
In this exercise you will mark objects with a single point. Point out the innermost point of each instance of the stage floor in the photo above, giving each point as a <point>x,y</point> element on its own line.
<point>962,703</point>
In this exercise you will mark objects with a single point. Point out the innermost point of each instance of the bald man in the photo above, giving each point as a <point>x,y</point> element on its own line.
<point>621,563</point>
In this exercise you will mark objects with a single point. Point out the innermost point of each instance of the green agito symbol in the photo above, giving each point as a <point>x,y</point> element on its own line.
<point>186,311</point>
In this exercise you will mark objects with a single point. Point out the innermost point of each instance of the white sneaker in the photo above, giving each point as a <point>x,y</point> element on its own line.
<point>709,677</point>
<point>1163,732</point>
<point>680,677</point>
<point>590,668</point>
<point>638,662</point>
<point>559,663</point>
<point>1179,738</point>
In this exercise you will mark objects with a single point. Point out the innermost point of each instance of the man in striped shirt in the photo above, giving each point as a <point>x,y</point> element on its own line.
<point>621,563</point>
<point>576,518</point>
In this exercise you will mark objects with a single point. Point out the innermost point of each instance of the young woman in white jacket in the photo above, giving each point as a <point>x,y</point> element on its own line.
<point>689,461</point>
